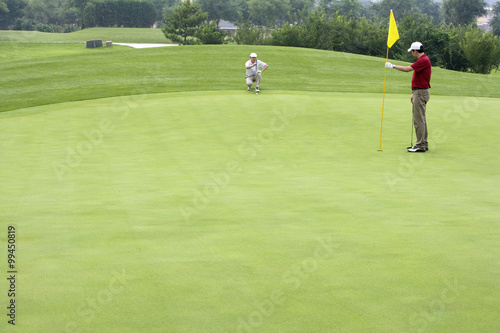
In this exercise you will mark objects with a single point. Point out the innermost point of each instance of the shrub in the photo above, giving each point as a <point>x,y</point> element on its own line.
<point>249,34</point>
<point>481,49</point>
<point>210,34</point>
<point>337,33</point>
<point>288,35</point>
<point>24,24</point>
<point>48,28</point>
<point>452,55</point>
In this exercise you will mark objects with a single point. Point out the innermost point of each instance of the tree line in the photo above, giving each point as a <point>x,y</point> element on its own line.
<point>460,48</point>
<point>459,45</point>
<point>116,13</point>
<point>15,14</point>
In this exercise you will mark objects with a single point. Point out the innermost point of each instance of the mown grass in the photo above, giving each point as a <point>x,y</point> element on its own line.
<point>118,35</point>
<point>173,209</point>
<point>230,212</point>
<point>39,74</point>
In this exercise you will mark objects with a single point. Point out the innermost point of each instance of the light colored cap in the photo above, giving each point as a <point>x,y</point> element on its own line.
<point>415,46</point>
<point>253,55</point>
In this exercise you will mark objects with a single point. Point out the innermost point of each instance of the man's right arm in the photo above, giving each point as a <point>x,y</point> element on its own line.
<point>399,68</point>
<point>403,68</point>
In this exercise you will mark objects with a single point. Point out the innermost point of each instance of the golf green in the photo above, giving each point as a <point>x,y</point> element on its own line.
<point>229,211</point>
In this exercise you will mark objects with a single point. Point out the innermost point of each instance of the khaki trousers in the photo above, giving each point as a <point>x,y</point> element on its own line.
<point>420,98</point>
<point>254,78</point>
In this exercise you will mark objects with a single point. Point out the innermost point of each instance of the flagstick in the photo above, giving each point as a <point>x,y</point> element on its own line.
<point>383,102</point>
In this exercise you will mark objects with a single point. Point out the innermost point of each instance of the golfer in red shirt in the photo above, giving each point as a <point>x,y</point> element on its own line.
<point>420,85</point>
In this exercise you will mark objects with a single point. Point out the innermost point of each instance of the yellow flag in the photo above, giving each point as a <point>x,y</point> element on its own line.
<point>393,32</point>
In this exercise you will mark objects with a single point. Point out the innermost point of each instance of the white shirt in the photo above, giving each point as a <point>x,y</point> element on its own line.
<point>253,70</point>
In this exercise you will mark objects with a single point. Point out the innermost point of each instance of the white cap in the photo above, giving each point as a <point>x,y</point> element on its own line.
<point>253,55</point>
<point>415,46</point>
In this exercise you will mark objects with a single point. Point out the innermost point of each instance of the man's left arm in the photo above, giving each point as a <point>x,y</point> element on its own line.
<point>263,68</point>
<point>403,68</point>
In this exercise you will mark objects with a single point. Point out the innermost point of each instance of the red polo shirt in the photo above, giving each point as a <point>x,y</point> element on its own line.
<point>422,73</point>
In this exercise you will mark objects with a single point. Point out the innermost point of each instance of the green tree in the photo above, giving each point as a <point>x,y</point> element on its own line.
<point>417,27</point>
<point>249,34</point>
<point>495,21</point>
<point>288,35</point>
<point>169,7</point>
<point>496,55</point>
<point>315,32</point>
<point>482,50</point>
<point>183,23</point>
<point>158,5</point>
<point>3,7</point>
<point>15,10</point>
<point>223,9</point>
<point>431,8</point>
<point>297,6</point>
<point>336,33</point>
<point>210,34</point>
<point>80,4</point>
<point>127,13</point>
<point>452,55</point>
<point>372,37</point>
<point>400,7</point>
<point>349,8</point>
<point>45,11</point>
<point>89,15</point>
<point>463,12</point>
<point>269,12</point>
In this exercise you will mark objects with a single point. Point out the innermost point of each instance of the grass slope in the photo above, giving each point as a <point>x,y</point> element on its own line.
<point>118,35</point>
<point>226,211</point>
<point>35,74</point>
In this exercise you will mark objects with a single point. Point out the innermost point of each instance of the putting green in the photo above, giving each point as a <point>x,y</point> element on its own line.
<point>236,212</point>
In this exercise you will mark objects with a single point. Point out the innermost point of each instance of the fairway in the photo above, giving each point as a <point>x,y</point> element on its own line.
<point>185,207</point>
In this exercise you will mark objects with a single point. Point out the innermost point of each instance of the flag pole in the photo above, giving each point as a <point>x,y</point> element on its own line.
<point>383,102</point>
<point>392,37</point>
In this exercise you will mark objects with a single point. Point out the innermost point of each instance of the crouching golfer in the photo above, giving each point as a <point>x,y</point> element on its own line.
<point>254,74</point>
<point>420,85</point>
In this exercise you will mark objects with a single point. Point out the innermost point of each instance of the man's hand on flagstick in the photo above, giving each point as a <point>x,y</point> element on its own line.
<point>389,65</point>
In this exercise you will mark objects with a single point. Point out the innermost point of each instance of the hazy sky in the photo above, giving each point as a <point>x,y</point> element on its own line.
<point>490,2</point>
